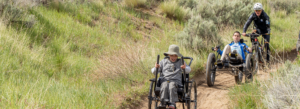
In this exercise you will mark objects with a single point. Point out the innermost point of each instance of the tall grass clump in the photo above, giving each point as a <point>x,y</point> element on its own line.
<point>282,91</point>
<point>135,3</point>
<point>173,10</point>
<point>247,96</point>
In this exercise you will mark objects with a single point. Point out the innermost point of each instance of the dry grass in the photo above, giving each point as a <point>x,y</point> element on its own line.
<point>122,62</point>
<point>173,10</point>
<point>282,91</point>
<point>135,3</point>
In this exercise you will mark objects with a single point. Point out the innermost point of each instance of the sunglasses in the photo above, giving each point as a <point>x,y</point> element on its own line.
<point>257,10</point>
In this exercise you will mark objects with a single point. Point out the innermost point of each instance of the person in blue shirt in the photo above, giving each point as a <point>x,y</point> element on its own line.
<point>235,45</point>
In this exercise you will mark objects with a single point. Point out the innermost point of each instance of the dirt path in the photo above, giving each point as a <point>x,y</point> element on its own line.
<point>216,97</point>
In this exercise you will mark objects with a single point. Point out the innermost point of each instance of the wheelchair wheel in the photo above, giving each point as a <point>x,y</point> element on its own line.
<point>210,70</point>
<point>249,68</point>
<point>192,103</point>
<point>151,96</point>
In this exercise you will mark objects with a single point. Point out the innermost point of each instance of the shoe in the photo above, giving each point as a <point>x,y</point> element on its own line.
<point>225,63</point>
<point>219,64</point>
<point>172,106</point>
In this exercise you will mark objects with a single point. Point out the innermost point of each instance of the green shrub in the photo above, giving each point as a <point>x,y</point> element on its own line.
<point>287,5</point>
<point>173,10</point>
<point>10,11</point>
<point>135,3</point>
<point>235,12</point>
<point>199,34</point>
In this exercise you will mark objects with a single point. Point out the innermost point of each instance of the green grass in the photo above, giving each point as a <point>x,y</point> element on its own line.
<point>246,96</point>
<point>62,60</point>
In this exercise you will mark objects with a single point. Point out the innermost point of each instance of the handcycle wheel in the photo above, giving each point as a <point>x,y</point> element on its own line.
<point>249,68</point>
<point>238,79</point>
<point>192,103</point>
<point>150,102</point>
<point>255,61</point>
<point>210,70</point>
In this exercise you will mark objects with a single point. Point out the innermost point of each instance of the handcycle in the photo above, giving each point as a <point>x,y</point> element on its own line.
<point>187,92</point>
<point>231,65</point>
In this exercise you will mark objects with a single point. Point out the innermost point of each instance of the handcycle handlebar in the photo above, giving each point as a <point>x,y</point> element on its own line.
<point>213,48</point>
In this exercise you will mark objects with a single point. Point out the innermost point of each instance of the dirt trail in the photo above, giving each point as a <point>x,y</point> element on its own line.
<point>216,97</point>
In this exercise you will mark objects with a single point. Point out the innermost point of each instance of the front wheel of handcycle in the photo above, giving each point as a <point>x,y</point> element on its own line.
<point>192,103</point>
<point>249,68</point>
<point>210,70</point>
<point>239,78</point>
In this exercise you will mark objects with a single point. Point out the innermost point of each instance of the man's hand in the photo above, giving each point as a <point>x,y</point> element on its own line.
<point>250,49</point>
<point>183,66</point>
<point>157,65</point>
<point>244,34</point>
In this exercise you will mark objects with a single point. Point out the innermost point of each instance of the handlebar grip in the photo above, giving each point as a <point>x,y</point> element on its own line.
<point>157,59</point>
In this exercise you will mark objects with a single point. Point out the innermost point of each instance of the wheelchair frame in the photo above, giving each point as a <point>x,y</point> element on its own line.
<point>184,98</point>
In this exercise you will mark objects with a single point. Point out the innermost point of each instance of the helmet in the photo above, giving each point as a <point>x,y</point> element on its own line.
<point>257,6</point>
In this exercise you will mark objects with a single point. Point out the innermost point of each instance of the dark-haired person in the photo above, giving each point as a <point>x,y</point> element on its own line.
<point>235,45</point>
<point>262,24</point>
<point>238,47</point>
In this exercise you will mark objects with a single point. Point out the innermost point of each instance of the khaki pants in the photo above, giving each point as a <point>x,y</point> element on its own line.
<point>169,91</point>
<point>226,51</point>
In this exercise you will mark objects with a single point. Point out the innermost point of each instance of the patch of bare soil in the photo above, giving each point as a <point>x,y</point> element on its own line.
<point>216,97</point>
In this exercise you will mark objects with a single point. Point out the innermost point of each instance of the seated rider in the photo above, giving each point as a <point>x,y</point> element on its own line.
<point>237,46</point>
<point>171,69</point>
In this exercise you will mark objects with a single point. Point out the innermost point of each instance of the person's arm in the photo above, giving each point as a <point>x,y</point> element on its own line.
<point>248,49</point>
<point>153,70</point>
<point>220,52</point>
<point>268,22</point>
<point>186,67</point>
<point>248,23</point>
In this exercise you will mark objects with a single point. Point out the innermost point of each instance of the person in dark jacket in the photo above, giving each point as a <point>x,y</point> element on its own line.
<point>262,24</point>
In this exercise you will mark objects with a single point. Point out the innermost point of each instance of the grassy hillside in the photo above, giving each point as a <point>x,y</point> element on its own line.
<point>80,54</point>
<point>97,54</point>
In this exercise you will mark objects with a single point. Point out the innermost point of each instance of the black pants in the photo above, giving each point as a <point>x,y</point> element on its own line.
<point>267,39</point>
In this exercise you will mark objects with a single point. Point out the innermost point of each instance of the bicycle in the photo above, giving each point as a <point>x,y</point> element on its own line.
<point>259,50</point>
